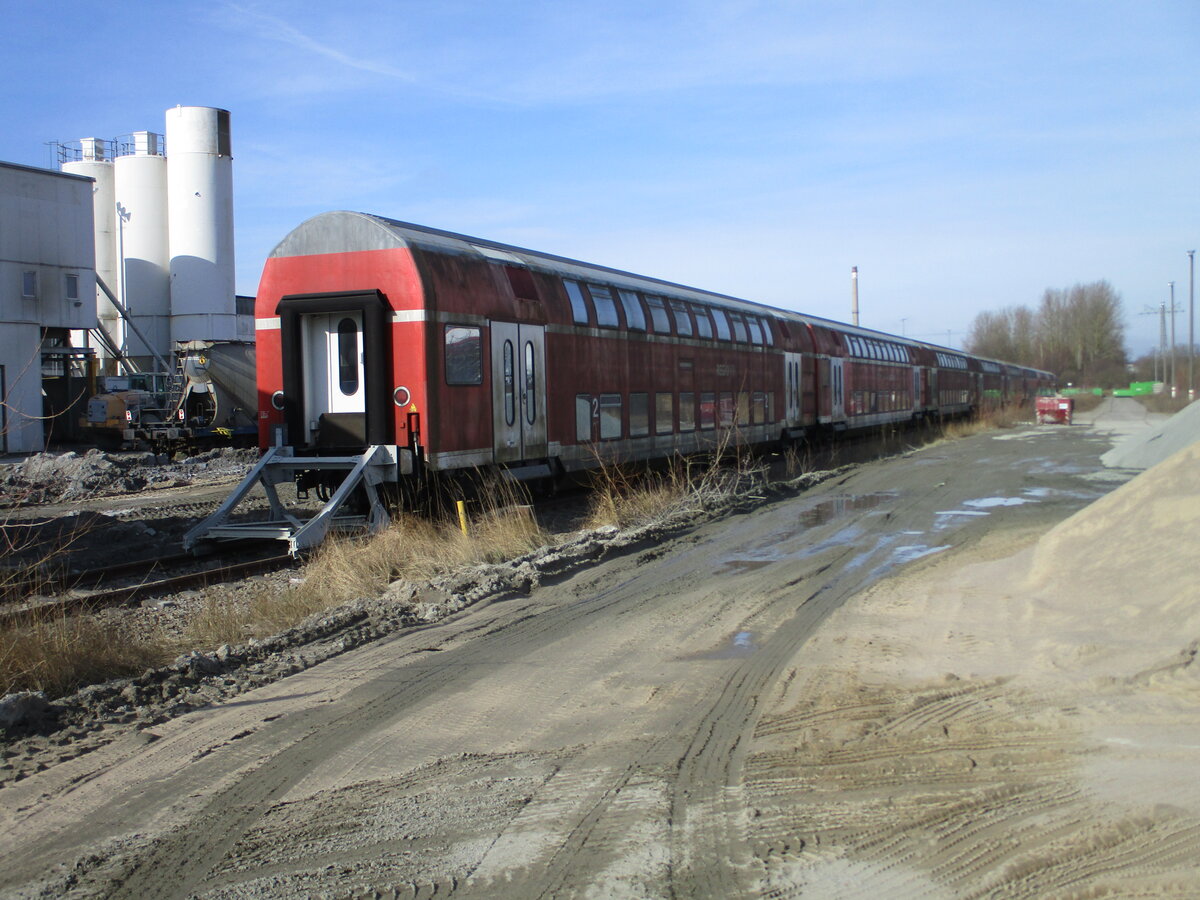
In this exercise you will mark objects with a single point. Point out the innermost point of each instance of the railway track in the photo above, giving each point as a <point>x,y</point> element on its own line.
<point>80,592</point>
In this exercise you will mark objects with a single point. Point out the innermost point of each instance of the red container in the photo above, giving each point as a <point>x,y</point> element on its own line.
<point>1055,410</point>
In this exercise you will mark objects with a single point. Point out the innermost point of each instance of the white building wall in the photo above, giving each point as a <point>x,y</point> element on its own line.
<point>47,249</point>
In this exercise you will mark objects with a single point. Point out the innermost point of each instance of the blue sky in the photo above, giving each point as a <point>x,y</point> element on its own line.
<point>964,155</point>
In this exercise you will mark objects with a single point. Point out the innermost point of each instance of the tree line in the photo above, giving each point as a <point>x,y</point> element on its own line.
<point>1077,333</point>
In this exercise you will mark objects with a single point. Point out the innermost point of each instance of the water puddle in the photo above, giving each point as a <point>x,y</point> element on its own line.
<point>988,502</point>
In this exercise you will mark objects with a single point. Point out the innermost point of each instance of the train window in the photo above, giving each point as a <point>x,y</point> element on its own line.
<point>758,408</point>
<point>606,308</point>
<point>708,410</point>
<point>683,322</point>
<point>743,408</point>
<point>658,315</point>
<point>464,355</point>
<point>687,411</point>
<point>770,407</point>
<point>347,342</point>
<point>722,323</point>
<point>664,413</point>
<point>739,328</point>
<point>531,410</point>
<point>639,414</point>
<point>610,416</point>
<point>755,330</point>
<point>635,317</point>
<point>725,409</point>
<point>510,395</point>
<point>704,327</point>
<point>583,417</point>
<point>579,305</point>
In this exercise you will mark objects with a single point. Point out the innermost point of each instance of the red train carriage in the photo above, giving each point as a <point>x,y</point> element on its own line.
<point>389,351</point>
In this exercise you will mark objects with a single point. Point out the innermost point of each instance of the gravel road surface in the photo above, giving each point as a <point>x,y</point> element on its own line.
<point>605,735</point>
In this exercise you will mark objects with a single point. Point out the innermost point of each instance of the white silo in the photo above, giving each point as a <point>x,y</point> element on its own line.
<point>144,281</point>
<point>95,161</point>
<point>200,200</point>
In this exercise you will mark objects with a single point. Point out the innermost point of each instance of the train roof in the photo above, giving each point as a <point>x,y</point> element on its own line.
<point>345,231</point>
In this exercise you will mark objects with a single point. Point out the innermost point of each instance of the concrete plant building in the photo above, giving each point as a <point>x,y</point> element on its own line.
<point>47,286</point>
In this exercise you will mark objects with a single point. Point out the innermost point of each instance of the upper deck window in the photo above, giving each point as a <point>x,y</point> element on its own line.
<point>606,308</point>
<point>635,317</point>
<point>579,304</point>
<point>739,328</point>
<point>704,327</point>
<point>658,314</point>
<point>755,329</point>
<point>683,322</point>
<point>722,322</point>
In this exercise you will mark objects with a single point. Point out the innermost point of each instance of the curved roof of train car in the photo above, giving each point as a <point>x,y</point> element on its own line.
<point>346,231</point>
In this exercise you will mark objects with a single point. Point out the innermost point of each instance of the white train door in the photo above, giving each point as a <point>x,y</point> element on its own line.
<point>333,349</point>
<point>518,391</point>
<point>792,388</point>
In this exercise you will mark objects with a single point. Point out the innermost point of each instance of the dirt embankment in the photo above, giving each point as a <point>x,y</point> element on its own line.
<point>1022,722</point>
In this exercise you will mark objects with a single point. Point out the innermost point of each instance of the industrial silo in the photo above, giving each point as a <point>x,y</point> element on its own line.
<point>200,201</point>
<point>94,159</point>
<point>144,282</point>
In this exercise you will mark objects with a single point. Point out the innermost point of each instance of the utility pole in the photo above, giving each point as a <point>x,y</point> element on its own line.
<point>854,295</point>
<point>1191,324</point>
<point>1171,284</point>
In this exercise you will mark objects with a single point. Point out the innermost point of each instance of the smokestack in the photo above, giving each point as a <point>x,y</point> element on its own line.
<point>854,295</point>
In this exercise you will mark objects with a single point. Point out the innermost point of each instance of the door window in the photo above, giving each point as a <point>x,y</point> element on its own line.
<point>347,343</point>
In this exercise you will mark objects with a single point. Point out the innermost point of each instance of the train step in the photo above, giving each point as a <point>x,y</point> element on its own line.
<point>277,466</point>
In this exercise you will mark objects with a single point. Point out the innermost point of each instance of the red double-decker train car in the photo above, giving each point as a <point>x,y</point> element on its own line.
<point>399,351</point>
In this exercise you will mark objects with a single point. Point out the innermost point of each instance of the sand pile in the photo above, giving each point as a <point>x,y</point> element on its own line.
<point>1148,447</point>
<point>1122,575</point>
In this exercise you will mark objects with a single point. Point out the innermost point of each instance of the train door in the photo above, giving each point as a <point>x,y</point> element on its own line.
<point>792,388</point>
<point>333,347</point>
<point>916,382</point>
<point>838,389</point>
<point>518,391</point>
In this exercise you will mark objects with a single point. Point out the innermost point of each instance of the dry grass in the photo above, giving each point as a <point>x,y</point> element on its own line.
<point>1163,403</point>
<point>345,569</point>
<point>1008,416</point>
<point>630,495</point>
<point>59,653</point>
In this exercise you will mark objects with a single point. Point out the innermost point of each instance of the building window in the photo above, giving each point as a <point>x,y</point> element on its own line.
<point>71,289</point>
<point>639,415</point>
<point>29,285</point>
<point>464,355</point>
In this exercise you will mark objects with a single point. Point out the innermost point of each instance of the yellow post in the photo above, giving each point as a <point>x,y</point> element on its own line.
<point>462,516</point>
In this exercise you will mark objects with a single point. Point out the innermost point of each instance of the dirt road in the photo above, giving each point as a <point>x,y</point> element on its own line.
<point>632,730</point>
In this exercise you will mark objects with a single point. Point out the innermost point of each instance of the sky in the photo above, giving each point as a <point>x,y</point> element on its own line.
<point>965,156</point>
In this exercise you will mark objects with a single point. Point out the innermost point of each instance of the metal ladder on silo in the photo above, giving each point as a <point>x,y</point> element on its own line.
<point>278,466</point>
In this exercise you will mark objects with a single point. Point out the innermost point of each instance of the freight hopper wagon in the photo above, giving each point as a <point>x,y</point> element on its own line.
<point>390,353</point>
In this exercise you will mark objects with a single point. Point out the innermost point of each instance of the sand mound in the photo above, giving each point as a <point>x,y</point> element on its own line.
<point>1151,446</point>
<point>1123,570</point>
